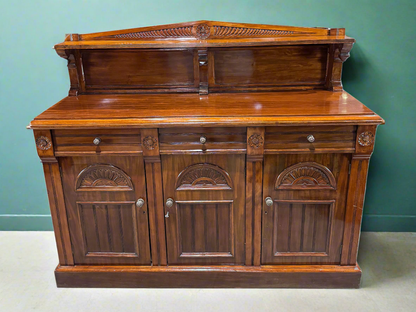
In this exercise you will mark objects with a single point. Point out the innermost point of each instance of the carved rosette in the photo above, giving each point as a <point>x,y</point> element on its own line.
<point>103,176</point>
<point>43,143</point>
<point>306,175</point>
<point>255,140</point>
<point>150,142</point>
<point>202,31</point>
<point>203,176</point>
<point>366,138</point>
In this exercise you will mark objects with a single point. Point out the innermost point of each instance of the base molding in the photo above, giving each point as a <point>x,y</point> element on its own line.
<point>282,276</point>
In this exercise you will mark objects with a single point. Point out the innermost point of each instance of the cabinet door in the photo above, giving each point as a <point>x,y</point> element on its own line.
<point>205,224</point>
<point>303,218</point>
<point>106,222</point>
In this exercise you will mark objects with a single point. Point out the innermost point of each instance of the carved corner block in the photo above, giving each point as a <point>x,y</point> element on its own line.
<point>150,144</point>
<point>44,145</point>
<point>255,143</point>
<point>365,139</point>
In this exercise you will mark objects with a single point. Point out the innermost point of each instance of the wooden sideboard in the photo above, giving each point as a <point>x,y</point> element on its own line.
<point>207,154</point>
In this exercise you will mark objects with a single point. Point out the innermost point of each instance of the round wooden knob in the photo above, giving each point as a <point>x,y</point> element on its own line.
<point>97,141</point>
<point>140,202</point>
<point>203,140</point>
<point>310,138</point>
<point>169,202</point>
<point>269,201</point>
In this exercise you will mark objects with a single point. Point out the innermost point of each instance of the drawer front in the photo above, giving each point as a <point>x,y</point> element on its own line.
<point>202,140</point>
<point>102,141</point>
<point>321,139</point>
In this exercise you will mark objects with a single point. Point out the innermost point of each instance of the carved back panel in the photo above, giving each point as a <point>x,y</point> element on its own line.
<point>206,56</point>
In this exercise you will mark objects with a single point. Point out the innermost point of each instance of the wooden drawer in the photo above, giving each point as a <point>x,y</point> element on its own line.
<point>340,139</point>
<point>74,142</point>
<point>188,140</point>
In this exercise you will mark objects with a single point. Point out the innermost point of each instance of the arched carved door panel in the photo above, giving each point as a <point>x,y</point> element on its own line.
<point>205,220</point>
<point>107,225</point>
<point>303,221</point>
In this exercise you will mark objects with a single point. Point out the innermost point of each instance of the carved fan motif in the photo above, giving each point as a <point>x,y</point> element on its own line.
<point>204,176</point>
<point>100,177</point>
<point>306,175</point>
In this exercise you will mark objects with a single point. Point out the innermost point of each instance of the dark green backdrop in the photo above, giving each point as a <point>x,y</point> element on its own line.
<point>381,73</point>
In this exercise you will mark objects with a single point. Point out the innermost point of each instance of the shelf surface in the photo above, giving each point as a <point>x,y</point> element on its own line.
<point>218,109</point>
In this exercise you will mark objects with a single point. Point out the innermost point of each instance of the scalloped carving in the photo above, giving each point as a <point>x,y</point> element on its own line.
<point>227,31</point>
<point>161,33</point>
<point>103,177</point>
<point>306,175</point>
<point>203,177</point>
<point>209,29</point>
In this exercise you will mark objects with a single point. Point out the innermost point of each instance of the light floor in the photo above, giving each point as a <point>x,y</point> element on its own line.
<point>27,261</point>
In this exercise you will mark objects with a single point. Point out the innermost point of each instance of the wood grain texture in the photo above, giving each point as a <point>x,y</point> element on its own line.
<point>223,140</point>
<point>294,139</point>
<point>150,141</point>
<point>207,154</point>
<point>81,142</point>
<point>45,149</point>
<point>310,218</point>
<point>356,194</point>
<point>282,276</point>
<point>58,212</point>
<point>113,69</point>
<point>274,66</point>
<point>106,226</point>
<point>268,108</point>
<point>254,200</point>
<point>205,225</point>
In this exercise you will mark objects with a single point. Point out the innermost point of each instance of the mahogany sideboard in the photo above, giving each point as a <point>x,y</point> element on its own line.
<point>207,154</point>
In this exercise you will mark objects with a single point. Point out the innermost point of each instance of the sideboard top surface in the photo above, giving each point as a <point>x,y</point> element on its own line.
<point>217,109</point>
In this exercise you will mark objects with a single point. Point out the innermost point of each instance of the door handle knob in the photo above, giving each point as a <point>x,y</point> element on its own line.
<point>97,141</point>
<point>140,202</point>
<point>269,201</point>
<point>169,202</point>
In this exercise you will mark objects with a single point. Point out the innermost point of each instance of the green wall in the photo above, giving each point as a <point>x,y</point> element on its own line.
<point>381,72</point>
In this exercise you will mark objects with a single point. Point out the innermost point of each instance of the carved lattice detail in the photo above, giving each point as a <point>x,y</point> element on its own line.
<point>161,33</point>
<point>366,138</point>
<point>99,177</point>
<point>227,31</point>
<point>306,175</point>
<point>205,30</point>
<point>203,176</point>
